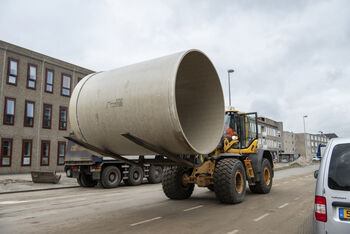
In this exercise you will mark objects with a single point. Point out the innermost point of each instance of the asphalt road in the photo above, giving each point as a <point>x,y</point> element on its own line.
<point>145,209</point>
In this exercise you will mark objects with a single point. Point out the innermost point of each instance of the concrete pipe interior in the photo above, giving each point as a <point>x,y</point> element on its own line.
<point>199,107</point>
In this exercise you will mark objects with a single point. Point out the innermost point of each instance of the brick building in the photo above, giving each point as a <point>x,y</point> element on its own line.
<point>34,96</point>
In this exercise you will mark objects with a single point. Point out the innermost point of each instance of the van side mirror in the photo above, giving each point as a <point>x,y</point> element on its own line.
<point>316,174</point>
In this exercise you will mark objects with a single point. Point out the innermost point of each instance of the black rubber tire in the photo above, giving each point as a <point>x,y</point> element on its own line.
<point>225,182</point>
<point>135,176</point>
<point>261,187</point>
<point>110,177</point>
<point>172,184</point>
<point>79,181</point>
<point>211,187</point>
<point>155,174</point>
<point>86,180</point>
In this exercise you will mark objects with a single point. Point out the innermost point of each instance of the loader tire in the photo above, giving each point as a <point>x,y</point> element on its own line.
<point>211,187</point>
<point>230,181</point>
<point>155,174</point>
<point>85,180</point>
<point>110,177</point>
<point>173,185</point>
<point>265,184</point>
<point>135,176</point>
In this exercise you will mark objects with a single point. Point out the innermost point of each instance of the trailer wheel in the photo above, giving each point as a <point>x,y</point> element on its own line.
<point>110,177</point>
<point>265,184</point>
<point>230,181</point>
<point>85,180</point>
<point>135,176</point>
<point>155,174</point>
<point>173,185</point>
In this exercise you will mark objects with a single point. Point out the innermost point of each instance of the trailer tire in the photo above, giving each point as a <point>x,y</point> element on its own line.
<point>110,177</point>
<point>173,185</point>
<point>85,180</point>
<point>155,174</point>
<point>230,181</point>
<point>135,176</point>
<point>265,184</point>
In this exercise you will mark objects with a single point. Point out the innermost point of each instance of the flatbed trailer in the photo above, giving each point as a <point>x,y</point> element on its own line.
<point>90,169</point>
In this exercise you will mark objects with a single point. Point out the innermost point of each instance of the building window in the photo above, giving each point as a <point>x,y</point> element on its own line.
<point>66,85</point>
<point>47,116</point>
<point>9,112</point>
<point>31,78</point>
<point>29,114</point>
<point>61,152</point>
<point>63,118</point>
<point>49,81</point>
<point>27,152</point>
<point>6,152</point>
<point>45,153</point>
<point>12,71</point>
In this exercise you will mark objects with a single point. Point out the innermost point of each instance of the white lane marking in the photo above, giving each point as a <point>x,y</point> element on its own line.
<point>233,232</point>
<point>42,199</point>
<point>285,182</point>
<point>145,221</point>
<point>192,208</point>
<point>261,217</point>
<point>284,205</point>
<point>297,198</point>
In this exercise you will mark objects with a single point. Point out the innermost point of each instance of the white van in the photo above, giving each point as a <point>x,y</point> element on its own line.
<point>332,196</point>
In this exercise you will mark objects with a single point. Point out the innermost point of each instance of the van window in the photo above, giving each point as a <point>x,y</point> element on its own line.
<point>338,176</point>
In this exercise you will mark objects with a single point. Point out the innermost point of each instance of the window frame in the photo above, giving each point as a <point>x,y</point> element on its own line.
<point>58,152</point>
<point>41,153</point>
<point>59,117</point>
<point>9,71</point>
<point>2,150</point>
<point>31,152</point>
<point>53,79</point>
<point>43,121</point>
<point>5,111</point>
<point>70,85</point>
<point>25,113</point>
<point>28,76</point>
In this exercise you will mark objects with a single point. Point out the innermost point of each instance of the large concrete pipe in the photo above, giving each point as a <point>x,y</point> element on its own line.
<point>174,102</point>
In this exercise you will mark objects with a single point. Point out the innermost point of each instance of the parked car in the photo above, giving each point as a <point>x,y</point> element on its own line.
<point>315,158</point>
<point>332,195</point>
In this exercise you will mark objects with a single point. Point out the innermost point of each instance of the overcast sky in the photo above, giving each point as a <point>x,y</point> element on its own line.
<point>291,58</point>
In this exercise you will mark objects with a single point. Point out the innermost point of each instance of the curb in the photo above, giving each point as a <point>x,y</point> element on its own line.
<point>43,189</point>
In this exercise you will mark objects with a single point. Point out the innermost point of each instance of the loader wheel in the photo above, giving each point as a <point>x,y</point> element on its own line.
<point>155,174</point>
<point>265,184</point>
<point>211,187</point>
<point>110,177</point>
<point>135,176</point>
<point>85,180</point>
<point>230,181</point>
<point>173,185</point>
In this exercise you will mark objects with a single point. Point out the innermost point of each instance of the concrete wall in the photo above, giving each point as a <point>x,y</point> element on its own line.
<point>21,93</point>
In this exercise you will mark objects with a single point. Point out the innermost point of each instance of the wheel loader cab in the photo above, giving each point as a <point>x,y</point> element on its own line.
<point>240,132</point>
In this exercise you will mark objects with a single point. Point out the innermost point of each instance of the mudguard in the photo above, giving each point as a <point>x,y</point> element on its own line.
<point>256,160</point>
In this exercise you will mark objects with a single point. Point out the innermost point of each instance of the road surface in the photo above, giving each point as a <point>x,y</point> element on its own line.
<point>145,209</point>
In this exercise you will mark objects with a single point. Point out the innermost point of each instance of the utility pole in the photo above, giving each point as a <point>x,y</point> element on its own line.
<point>229,85</point>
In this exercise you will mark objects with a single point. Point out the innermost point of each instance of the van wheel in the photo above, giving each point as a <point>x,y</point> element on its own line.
<point>110,177</point>
<point>135,176</point>
<point>230,181</point>
<point>155,174</point>
<point>265,184</point>
<point>85,180</point>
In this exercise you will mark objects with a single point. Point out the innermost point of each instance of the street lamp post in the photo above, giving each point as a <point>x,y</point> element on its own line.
<point>229,84</point>
<point>305,144</point>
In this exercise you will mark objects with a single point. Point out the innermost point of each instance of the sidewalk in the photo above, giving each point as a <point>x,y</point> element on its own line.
<point>23,182</point>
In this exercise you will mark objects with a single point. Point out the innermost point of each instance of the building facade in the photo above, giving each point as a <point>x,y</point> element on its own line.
<point>270,135</point>
<point>34,96</point>
<point>307,144</point>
